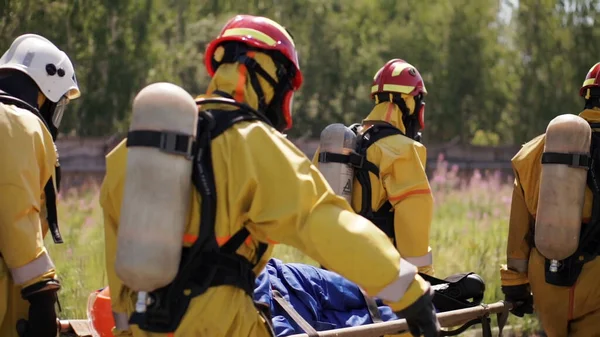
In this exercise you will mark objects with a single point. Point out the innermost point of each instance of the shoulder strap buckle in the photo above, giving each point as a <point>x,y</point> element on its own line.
<point>579,160</point>
<point>171,142</point>
<point>356,160</point>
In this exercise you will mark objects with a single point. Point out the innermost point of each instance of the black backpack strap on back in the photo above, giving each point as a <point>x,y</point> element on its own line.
<point>589,240</point>
<point>49,190</point>
<point>384,216</point>
<point>204,264</point>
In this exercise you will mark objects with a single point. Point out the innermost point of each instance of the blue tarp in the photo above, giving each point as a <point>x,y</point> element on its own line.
<point>323,298</point>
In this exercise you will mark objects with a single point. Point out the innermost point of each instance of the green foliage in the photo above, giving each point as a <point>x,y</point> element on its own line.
<point>491,67</point>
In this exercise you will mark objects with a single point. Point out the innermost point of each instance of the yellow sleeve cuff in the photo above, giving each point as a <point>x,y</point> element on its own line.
<point>512,278</point>
<point>427,270</point>
<point>416,289</point>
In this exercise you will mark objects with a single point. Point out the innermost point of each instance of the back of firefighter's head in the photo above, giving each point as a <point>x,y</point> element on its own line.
<point>243,39</point>
<point>401,83</point>
<point>590,89</point>
<point>34,70</point>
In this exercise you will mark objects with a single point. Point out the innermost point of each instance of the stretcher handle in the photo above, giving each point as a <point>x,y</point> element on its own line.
<point>64,326</point>
<point>446,319</point>
<point>75,327</point>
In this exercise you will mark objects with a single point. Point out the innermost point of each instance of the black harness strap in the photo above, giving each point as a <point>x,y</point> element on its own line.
<point>49,190</point>
<point>204,264</point>
<point>383,218</point>
<point>572,159</point>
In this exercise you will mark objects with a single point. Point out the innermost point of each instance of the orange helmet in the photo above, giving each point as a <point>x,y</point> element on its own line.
<point>592,80</point>
<point>400,77</point>
<point>99,313</point>
<point>259,32</point>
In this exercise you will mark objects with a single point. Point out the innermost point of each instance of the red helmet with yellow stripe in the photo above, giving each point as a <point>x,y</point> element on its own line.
<point>258,32</point>
<point>263,34</point>
<point>400,77</point>
<point>592,80</point>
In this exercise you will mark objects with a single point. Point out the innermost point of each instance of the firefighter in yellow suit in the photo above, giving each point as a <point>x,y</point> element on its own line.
<point>570,310</point>
<point>398,91</point>
<point>37,80</point>
<point>265,183</point>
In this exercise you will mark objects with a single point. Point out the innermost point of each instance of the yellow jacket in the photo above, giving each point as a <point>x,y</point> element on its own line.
<point>527,168</point>
<point>402,180</point>
<point>28,159</point>
<point>265,183</point>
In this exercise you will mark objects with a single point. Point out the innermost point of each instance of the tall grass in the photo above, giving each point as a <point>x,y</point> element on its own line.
<point>468,235</point>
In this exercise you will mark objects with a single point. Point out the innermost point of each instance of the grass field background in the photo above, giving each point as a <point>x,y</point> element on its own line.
<point>469,235</point>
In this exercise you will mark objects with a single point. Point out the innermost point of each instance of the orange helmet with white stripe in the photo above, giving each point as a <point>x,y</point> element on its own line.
<point>266,35</point>
<point>99,313</point>
<point>592,80</point>
<point>399,77</point>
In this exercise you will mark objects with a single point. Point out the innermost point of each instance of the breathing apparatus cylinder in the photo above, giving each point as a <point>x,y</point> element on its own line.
<point>339,139</point>
<point>157,192</point>
<point>562,190</point>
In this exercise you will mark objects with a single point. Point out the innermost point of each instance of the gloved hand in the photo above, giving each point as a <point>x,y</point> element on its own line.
<point>42,321</point>
<point>521,299</point>
<point>421,317</point>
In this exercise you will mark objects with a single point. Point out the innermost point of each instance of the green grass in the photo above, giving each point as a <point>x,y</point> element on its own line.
<point>468,235</point>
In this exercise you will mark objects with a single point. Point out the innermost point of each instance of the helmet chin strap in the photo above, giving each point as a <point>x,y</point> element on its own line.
<point>411,121</point>
<point>274,109</point>
<point>236,52</point>
<point>47,111</point>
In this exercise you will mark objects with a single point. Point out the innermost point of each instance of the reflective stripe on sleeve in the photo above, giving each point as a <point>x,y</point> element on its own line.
<point>519,265</point>
<point>421,261</point>
<point>33,269</point>
<point>121,321</point>
<point>395,290</point>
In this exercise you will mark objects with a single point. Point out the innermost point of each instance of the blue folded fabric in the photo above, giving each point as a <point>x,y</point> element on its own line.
<point>323,298</point>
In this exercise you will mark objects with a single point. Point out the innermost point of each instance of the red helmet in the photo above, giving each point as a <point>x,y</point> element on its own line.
<point>258,32</point>
<point>400,77</point>
<point>261,33</point>
<point>592,79</point>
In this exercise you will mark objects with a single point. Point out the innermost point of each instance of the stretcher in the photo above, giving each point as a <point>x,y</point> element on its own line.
<point>449,319</point>
<point>307,301</point>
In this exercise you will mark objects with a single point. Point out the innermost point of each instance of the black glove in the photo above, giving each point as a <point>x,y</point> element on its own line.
<point>421,316</point>
<point>521,299</point>
<point>42,320</point>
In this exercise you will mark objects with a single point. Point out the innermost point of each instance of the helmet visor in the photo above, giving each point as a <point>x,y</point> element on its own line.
<point>59,111</point>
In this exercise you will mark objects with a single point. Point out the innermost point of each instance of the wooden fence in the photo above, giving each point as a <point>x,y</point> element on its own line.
<point>83,159</point>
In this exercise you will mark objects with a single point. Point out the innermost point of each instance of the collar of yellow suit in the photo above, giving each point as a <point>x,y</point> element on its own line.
<point>591,115</point>
<point>386,112</point>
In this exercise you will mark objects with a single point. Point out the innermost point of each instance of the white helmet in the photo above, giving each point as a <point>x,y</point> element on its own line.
<point>47,65</point>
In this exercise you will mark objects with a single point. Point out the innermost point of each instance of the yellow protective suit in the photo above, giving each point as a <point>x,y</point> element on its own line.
<point>265,183</point>
<point>563,311</point>
<point>28,158</point>
<point>402,180</point>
